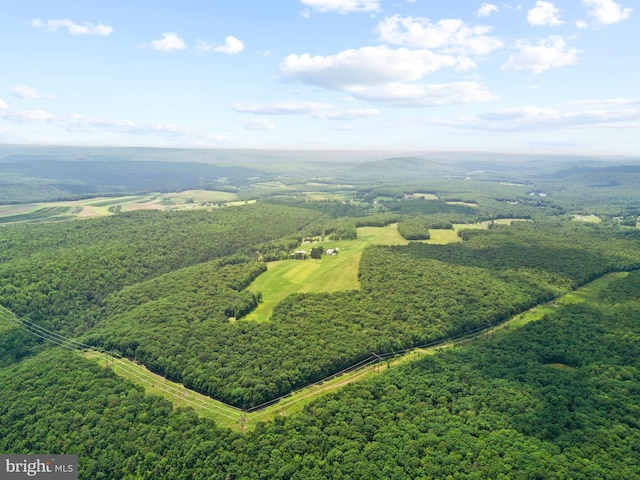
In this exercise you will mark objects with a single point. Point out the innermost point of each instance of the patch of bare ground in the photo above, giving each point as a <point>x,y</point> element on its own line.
<point>7,210</point>
<point>88,212</point>
<point>152,205</point>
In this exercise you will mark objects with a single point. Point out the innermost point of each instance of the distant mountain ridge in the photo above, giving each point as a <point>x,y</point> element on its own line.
<point>47,178</point>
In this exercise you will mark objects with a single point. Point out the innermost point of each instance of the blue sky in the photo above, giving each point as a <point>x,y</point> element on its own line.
<point>531,76</point>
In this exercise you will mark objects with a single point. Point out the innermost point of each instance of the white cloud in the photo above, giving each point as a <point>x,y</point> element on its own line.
<point>232,46</point>
<point>367,65</point>
<point>571,115</point>
<point>26,92</point>
<point>450,35</point>
<point>343,6</point>
<point>550,52</point>
<point>486,9</point>
<point>607,101</point>
<point>3,105</point>
<point>423,95</point>
<point>581,24</point>
<point>544,13</point>
<point>537,118</point>
<point>318,110</point>
<point>27,116</point>
<point>79,123</point>
<point>73,28</point>
<point>607,12</point>
<point>168,43</point>
<point>282,108</point>
<point>387,76</point>
<point>350,114</point>
<point>260,124</point>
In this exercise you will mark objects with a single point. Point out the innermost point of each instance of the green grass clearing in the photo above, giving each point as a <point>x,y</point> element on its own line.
<point>238,203</point>
<point>198,197</point>
<point>587,218</point>
<point>426,196</point>
<point>442,236</point>
<point>330,274</point>
<point>470,226</point>
<point>329,196</point>
<point>509,221</point>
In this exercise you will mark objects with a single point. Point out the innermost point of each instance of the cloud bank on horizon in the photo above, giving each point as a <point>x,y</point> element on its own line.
<point>534,76</point>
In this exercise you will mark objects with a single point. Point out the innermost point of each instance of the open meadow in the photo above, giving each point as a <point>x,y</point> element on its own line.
<point>329,274</point>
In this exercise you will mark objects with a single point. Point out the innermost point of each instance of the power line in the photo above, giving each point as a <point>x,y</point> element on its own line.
<point>123,364</point>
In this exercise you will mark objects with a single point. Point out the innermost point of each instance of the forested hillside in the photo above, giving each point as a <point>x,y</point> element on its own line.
<point>556,399</point>
<point>176,321</point>
<point>29,178</point>
<point>171,290</point>
<point>59,276</point>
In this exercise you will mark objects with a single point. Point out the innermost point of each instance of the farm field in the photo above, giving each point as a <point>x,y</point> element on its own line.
<point>465,204</point>
<point>587,218</point>
<point>425,196</point>
<point>329,196</point>
<point>196,197</point>
<point>105,206</point>
<point>8,210</point>
<point>39,214</point>
<point>330,274</point>
<point>334,273</point>
<point>443,236</point>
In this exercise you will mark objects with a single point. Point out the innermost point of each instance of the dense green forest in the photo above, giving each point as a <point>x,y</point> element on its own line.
<point>161,287</point>
<point>59,275</point>
<point>557,398</point>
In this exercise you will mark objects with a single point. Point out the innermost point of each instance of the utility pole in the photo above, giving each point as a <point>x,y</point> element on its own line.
<point>377,366</point>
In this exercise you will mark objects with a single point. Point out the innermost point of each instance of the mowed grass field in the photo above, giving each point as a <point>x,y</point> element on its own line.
<point>329,274</point>
<point>198,196</point>
<point>333,273</point>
